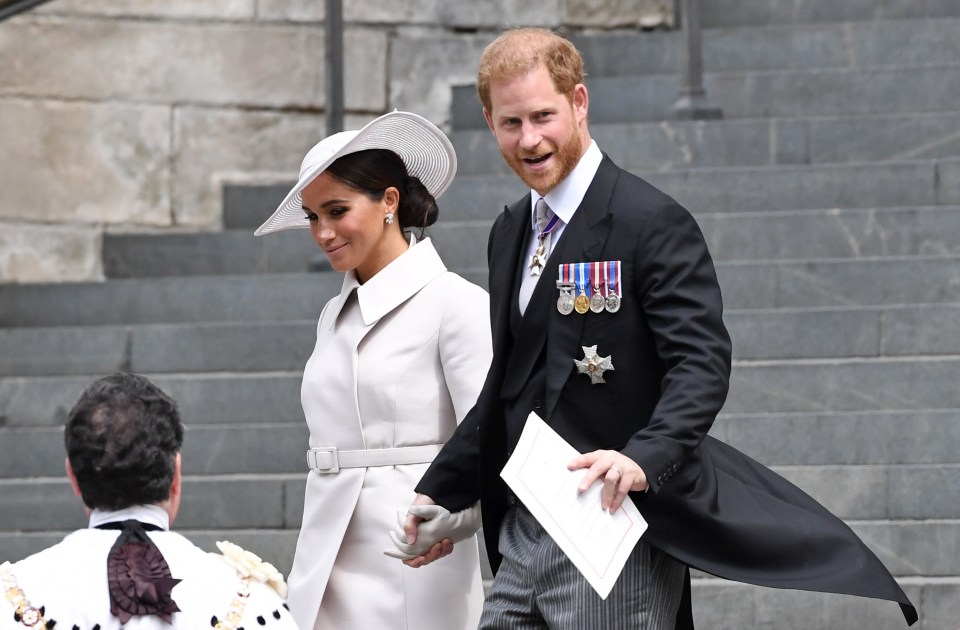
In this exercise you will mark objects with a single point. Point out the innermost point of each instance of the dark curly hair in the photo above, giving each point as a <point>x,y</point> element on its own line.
<point>122,438</point>
<point>372,171</point>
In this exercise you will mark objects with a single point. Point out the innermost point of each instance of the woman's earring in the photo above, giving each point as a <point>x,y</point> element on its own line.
<point>388,219</point>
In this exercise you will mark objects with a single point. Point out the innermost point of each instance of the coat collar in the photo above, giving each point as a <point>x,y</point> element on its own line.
<point>394,284</point>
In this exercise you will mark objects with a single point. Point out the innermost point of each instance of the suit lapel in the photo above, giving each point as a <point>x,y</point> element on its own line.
<point>582,241</point>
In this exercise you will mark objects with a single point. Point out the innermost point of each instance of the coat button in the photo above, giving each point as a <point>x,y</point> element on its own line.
<point>537,404</point>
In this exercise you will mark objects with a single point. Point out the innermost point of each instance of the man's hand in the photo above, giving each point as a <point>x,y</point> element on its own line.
<point>437,551</point>
<point>619,473</point>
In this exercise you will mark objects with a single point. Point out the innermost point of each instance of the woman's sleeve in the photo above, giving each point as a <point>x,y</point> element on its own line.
<point>465,345</point>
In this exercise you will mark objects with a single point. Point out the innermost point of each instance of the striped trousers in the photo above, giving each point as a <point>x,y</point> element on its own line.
<point>538,587</point>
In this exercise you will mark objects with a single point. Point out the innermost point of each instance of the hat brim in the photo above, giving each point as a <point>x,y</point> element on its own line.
<point>425,150</point>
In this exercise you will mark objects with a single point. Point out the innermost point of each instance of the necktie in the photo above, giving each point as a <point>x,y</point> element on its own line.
<point>547,221</point>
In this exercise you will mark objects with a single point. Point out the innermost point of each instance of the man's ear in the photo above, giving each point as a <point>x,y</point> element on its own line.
<point>73,478</point>
<point>489,119</point>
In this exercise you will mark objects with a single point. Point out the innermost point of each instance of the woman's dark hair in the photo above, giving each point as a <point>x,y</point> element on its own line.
<point>372,171</point>
<point>122,439</point>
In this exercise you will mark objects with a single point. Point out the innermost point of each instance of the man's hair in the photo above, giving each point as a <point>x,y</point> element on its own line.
<point>519,51</point>
<point>122,438</point>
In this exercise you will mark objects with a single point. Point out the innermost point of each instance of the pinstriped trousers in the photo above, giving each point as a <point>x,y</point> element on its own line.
<point>538,587</point>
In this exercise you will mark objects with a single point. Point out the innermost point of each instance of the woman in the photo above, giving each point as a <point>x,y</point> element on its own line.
<point>401,355</point>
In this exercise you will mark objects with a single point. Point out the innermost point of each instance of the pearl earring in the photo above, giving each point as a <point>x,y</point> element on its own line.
<point>388,219</point>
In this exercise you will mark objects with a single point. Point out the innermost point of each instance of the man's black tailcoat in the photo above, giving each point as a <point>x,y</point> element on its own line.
<point>709,505</point>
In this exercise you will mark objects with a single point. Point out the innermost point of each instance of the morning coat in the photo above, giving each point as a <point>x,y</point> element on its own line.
<point>709,506</point>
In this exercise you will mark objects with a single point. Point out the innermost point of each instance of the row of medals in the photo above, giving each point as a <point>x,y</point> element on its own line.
<point>596,303</point>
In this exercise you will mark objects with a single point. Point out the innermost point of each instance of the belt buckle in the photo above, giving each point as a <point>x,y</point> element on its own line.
<point>325,470</point>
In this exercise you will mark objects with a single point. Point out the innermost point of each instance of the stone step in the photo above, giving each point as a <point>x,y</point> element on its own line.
<point>809,385</point>
<point>722,605</point>
<point>718,13</point>
<point>264,298</point>
<point>746,189</point>
<point>210,253</point>
<point>846,44</point>
<point>751,284</point>
<point>477,195</point>
<point>914,437</point>
<point>898,330</point>
<point>774,235</point>
<point>819,92</point>
<point>886,436</point>
<point>673,144</point>
<point>834,233</point>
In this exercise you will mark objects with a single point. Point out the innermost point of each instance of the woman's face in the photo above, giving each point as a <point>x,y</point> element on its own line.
<point>350,227</point>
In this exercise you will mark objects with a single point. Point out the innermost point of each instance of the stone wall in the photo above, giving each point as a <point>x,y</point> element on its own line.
<point>130,115</point>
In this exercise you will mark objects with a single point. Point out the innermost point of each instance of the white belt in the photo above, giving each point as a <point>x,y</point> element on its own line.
<point>327,459</point>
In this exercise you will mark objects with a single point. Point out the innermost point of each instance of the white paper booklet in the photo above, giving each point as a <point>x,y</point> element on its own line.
<point>597,542</point>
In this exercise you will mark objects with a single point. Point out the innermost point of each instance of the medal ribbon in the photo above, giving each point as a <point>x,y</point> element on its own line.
<point>613,284</point>
<point>548,227</point>
<point>581,279</point>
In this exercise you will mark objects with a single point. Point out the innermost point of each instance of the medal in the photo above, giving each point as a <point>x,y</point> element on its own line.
<point>582,303</point>
<point>593,365</point>
<point>596,298</point>
<point>565,301</point>
<point>611,270</point>
<point>538,260</point>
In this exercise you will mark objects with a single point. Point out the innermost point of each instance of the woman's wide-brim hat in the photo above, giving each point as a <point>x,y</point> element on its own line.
<point>424,149</point>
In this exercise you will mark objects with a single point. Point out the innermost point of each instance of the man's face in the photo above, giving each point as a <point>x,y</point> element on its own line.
<point>541,134</point>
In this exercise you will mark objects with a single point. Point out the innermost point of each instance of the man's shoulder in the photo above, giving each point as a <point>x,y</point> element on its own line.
<point>69,582</point>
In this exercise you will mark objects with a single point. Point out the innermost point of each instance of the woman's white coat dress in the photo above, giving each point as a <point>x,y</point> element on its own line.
<point>399,361</point>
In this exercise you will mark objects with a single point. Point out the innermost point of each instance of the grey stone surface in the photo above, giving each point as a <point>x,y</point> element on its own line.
<point>748,286</point>
<point>203,398</point>
<point>293,507</point>
<point>486,13</point>
<point>31,452</point>
<point>734,13</point>
<point>46,351</point>
<point>844,385</point>
<point>38,505</point>
<point>722,605</point>
<point>110,161</point>
<point>804,334</point>
<point>882,492</point>
<point>215,147</point>
<point>869,138</point>
<point>178,9</point>
<point>18,545</point>
<point>224,503</point>
<point>242,64</point>
<point>246,449</point>
<point>864,185</point>
<point>836,233</point>
<point>949,181</point>
<point>940,604</point>
<point>49,253</point>
<point>247,206</point>
<point>930,330</point>
<point>264,297</point>
<point>927,548</point>
<point>227,449</point>
<point>222,347</point>
<point>827,92</point>
<point>207,253</point>
<point>910,436</point>
<point>867,281</point>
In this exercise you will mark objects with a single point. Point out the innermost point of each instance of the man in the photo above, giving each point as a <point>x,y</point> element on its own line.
<point>607,322</point>
<point>127,570</point>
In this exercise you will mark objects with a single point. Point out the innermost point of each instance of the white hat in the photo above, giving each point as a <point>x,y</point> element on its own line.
<point>424,149</point>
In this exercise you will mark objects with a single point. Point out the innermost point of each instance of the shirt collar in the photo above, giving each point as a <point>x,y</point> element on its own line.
<point>566,196</point>
<point>152,514</point>
<point>394,284</point>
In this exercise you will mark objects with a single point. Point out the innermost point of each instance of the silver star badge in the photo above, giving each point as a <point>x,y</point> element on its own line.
<point>593,364</point>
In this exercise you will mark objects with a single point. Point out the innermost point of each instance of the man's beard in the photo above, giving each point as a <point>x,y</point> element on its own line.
<point>565,158</point>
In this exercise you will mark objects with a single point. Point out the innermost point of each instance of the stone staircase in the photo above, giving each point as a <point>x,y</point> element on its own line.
<point>829,195</point>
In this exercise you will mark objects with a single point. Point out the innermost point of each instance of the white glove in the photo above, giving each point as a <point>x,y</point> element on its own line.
<point>439,523</point>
